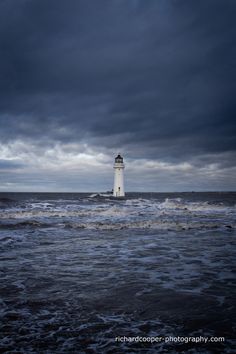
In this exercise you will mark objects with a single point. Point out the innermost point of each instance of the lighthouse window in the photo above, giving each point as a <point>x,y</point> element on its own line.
<point>119,159</point>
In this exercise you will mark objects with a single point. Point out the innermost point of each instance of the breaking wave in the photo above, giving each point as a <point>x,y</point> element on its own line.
<point>139,213</point>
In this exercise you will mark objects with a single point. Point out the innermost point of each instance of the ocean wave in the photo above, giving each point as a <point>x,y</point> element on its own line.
<point>158,225</point>
<point>139,213</point>
<point>172,204</point>
<point>27,214</point>
<point>110,208</point>
<point>23,224</point>
<point>109,225</point>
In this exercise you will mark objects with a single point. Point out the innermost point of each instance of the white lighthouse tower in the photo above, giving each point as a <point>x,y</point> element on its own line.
<point>118,190</point>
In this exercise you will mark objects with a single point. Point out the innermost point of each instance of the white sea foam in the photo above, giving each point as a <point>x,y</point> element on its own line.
<point>139,213</point>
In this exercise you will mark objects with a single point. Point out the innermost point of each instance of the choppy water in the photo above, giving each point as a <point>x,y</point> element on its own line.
<point>77,271</point>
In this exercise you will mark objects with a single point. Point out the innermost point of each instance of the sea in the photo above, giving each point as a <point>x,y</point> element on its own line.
<point>86,273</point>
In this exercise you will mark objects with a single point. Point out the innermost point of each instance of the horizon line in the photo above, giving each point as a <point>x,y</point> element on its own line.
<point>190,191</point>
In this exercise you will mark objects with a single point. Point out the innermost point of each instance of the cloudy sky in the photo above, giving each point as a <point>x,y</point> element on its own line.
<point>81,80</point>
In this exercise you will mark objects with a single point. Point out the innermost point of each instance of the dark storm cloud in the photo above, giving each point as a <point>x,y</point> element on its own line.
<point>157,77</point>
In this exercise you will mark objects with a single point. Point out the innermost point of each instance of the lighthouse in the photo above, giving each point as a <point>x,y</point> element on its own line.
<point>118,190</point>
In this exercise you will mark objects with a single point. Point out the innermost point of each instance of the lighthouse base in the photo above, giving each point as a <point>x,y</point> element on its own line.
<point>106,196</point>
<point>119,198</point>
